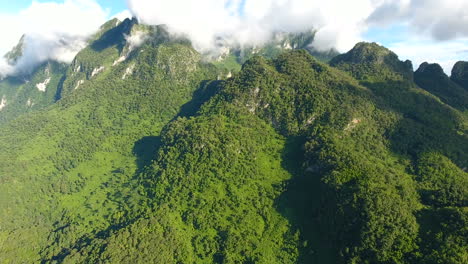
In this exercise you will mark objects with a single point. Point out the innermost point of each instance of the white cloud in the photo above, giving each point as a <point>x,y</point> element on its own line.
<point>441,19</point>
<point>123,15</point>
<point>339,23</point>
<point>59,30</point>
<point>54,31</point>
<point>135,40</point>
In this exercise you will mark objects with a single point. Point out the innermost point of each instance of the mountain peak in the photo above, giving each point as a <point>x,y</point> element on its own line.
<point>431,69</point>
<point>432,78</point>
<point>365,52</point>
<point>372,55</point>
<point>460,74</point>
<point>16,52</point>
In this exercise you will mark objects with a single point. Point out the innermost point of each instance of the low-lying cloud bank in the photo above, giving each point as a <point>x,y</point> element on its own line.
<point>339,23</point>
<point>53,31</point>
<point>57,31</point>
<point>249,22</point>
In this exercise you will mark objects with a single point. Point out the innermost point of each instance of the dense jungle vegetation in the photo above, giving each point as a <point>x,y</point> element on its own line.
<point>151,154</point>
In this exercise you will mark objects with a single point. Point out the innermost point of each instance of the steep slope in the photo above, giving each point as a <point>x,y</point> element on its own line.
<point>66,171</point>
<point>223,172</point>
<point>433,137</point>
<point>16,52</point>
<point>460,74</point>
<point>367,61</point>
<point>148,158</point>
<point>231,57</point>
<point>291,161</point>
<point>427,122</point>
<point>20,95</point>
<point>27,92</point>
<point>432,78</point>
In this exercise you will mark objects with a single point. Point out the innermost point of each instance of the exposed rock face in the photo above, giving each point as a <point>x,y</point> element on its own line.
<point>79,83</point>
<point>3,103</point>
<point>43,85</point>
<point>128,71</point>
<point>460,74</point>
<point>96,71</point>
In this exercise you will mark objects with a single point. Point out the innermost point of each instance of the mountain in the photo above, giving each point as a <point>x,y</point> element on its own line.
<point>150,153</point>
<point>432,78</point>
<point>111,112</point>
<point>23,94</point>
<point>460,74</point>
<point>31,91</point>
<point>232,57</point>
<point>15,54</point>
<point>296,137</point>
<point>112,44</point>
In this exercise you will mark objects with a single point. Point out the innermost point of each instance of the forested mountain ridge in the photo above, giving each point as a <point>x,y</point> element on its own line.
<point>23,94</point>
<point>49,158</point>
<point>460,74</point>
<point>30,90</point>
<point>432,78</point>
<point>34,88</point>
<point>153,155</point>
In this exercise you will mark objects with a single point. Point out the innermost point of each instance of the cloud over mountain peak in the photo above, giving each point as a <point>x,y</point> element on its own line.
<point>53,31</point>
<point>248,22</point>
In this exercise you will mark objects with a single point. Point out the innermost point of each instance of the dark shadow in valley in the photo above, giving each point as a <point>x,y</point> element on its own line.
<point>433,222</point>
<point>301,204</point>
<point>201,95</point>
<point>58,93</point>
<point>145,151</point>
<point>146,148</point>
<point>114,36</point>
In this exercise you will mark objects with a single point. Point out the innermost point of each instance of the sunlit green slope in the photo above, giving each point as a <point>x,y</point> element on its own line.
<point>153,155</point>
<point>68,167</point>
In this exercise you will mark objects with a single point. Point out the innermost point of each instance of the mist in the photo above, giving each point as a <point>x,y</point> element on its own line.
<point>58,31</point>
<point>53,31</point>
<point>339,24</point>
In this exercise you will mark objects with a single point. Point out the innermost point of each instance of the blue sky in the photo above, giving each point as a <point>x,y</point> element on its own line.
<point>415,31</point>
<point>14,6</point>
